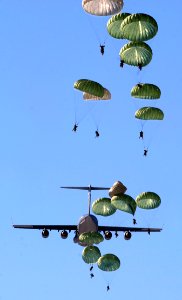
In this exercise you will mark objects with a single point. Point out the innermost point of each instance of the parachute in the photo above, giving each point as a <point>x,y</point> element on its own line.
<point>106,96</point>
<point>91,254</point>
<point>117,189</point>
<point>139,27</point>
<point>91,238</point>
<point>103,207</point>
<point>149,113</point>
<point>146,91</point>
<point>89,86</point>
<point>125,203</point>
<point>114,25</point>
<point>144,115</point>
<point>102,7</point>
<point>92,90</point>
<point>148,200</point>
<point>136,54</point>
<point>108,262</point>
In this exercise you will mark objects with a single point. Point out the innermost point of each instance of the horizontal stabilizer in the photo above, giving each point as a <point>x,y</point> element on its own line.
<point>87,188</point>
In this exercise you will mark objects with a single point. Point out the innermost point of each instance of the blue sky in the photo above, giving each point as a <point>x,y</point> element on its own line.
<point>45,47</point>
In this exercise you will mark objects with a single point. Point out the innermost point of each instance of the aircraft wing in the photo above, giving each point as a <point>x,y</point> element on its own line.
<point>131,229</point>
<point>100,228</point>
<point>49,227</point>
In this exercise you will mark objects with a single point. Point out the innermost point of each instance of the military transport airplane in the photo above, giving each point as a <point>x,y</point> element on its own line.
<point>87,223</point>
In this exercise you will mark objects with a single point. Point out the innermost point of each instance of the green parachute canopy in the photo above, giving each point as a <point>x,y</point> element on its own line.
<point>136,54</point>
<point>108,262</point>
<point>103,207</point>
<point>114,25</point>
<point>117,189</point>
<point>91,238</point>
<point>149,113</point>
<point>91,254</point>
<point>139,27</point>
<point>146,91</point>
<point>102,7</point>
<point>106,96</point>
<point>89,86</point>
<point>148,200</point>
<point>125,203</point>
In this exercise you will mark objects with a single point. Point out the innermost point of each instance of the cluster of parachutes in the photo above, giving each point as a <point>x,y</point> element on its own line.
<point>147,91</point>
<point>123,202</point>
<point>91,254</point>
<point>107,262</point>
<point>137,28</point>
<point>95,91</point>
<point>107,207</point>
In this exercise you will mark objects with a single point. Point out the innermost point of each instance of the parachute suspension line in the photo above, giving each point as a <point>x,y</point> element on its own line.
<point>145,219</point>
<point>79,114</point>
<point>147,144</point>
<point>139,78</point>
<point>145,149</point>
<point>91,109</point>
<point>116,56</point>
<point>85,114</point>
<point>149,217</point>
<point>154,134</point>
<point>75,109</point>
<point>100,41</point>
<point>95,119</point>
<point>139,75</point>
<point>105,38</point>
<point>108,281</point>
<point>96,122</point>
<point>140,123</point>
<point>142,135</point>
<point>93,29</point>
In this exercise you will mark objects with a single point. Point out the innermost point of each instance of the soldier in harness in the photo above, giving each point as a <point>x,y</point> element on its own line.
<point>75,127</point>
<point>141,135</point>
<point>145,152</point>
<point>102,49</point>
<point>97,134</point>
